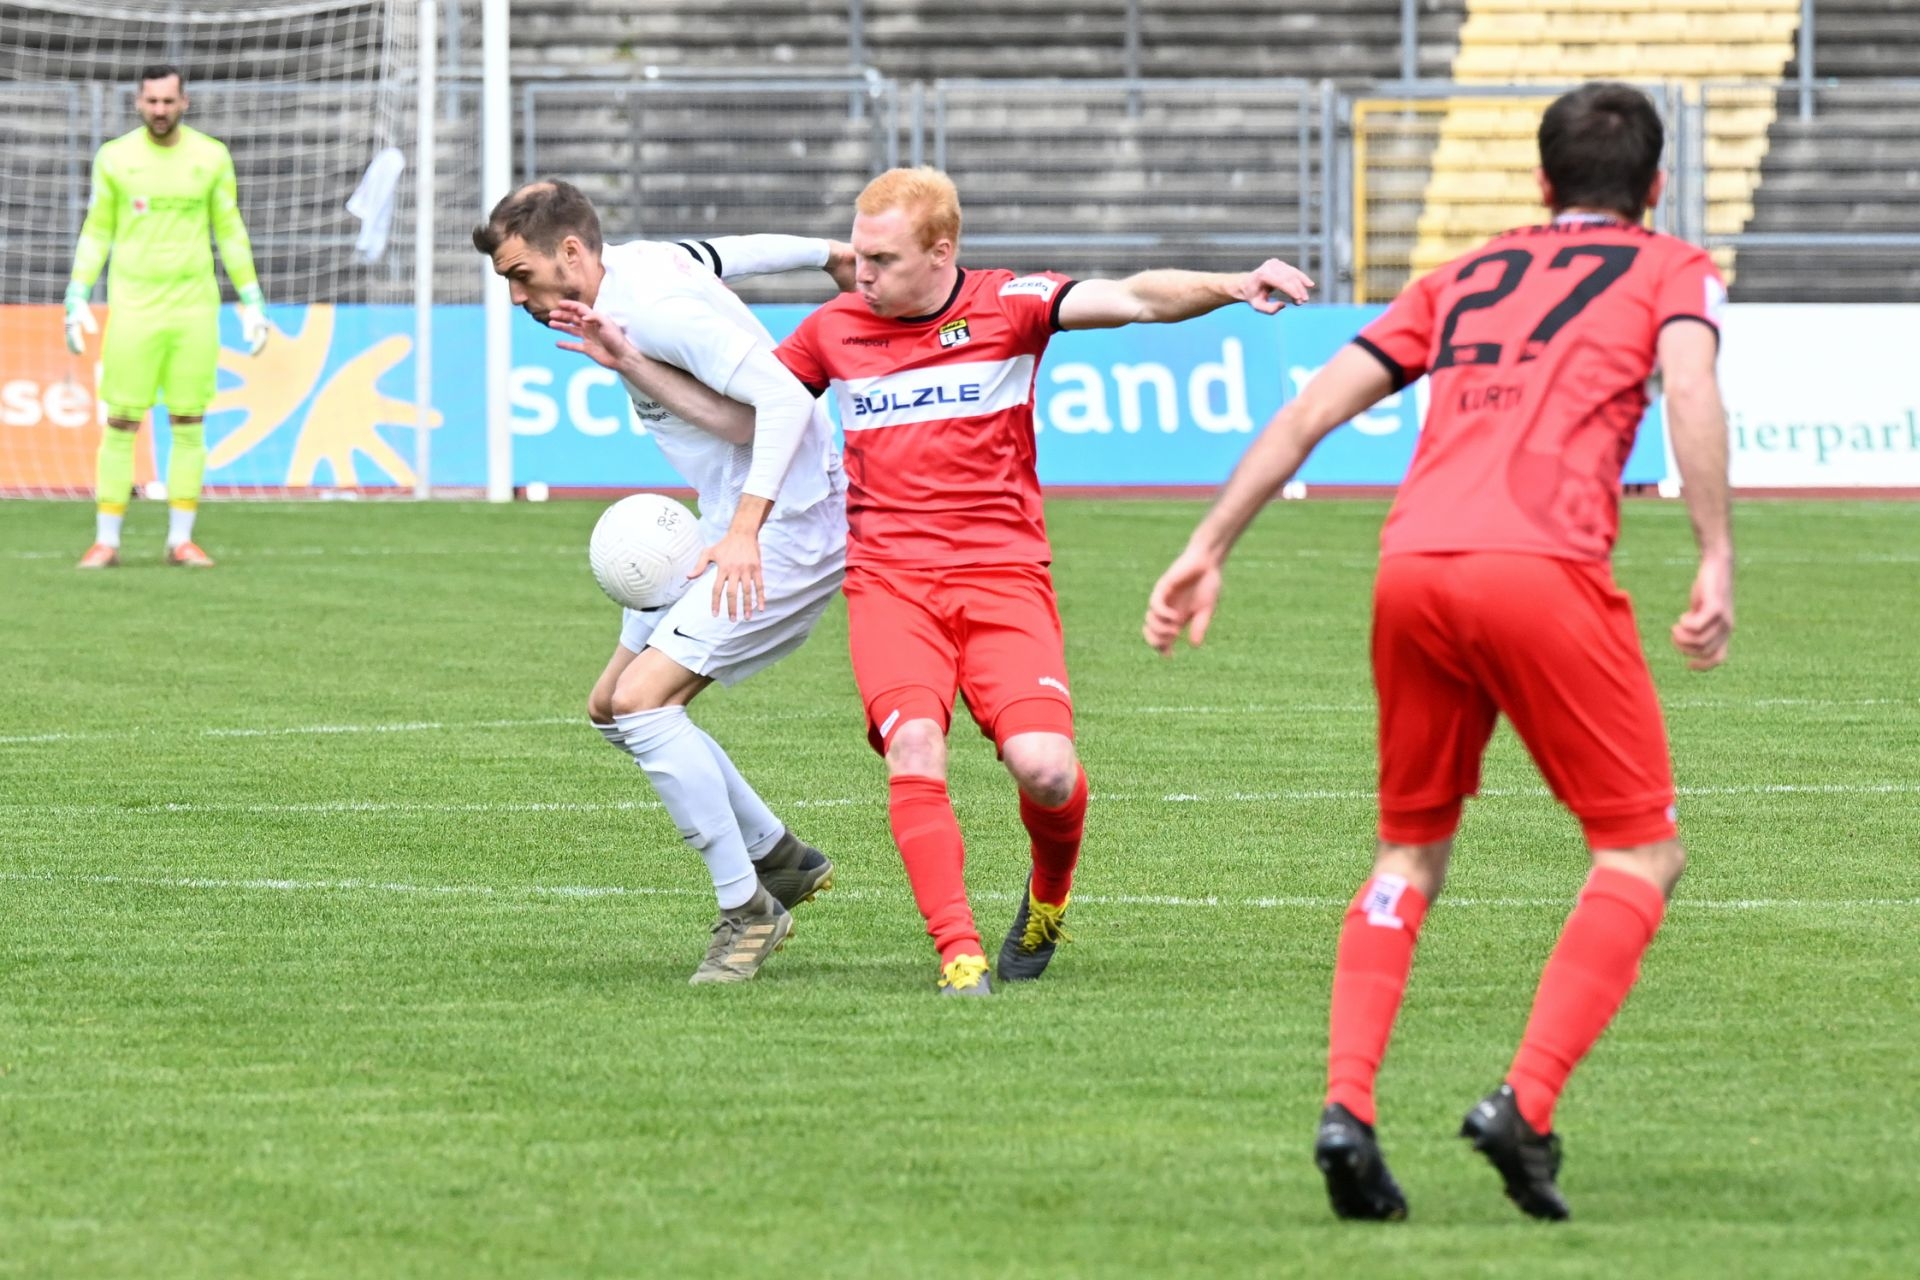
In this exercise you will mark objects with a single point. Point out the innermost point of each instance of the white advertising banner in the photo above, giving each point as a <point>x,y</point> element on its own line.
<point>1822,396</point>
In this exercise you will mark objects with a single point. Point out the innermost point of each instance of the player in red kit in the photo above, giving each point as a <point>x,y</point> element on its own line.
<point>932,366</point>
<point>1494,597</point>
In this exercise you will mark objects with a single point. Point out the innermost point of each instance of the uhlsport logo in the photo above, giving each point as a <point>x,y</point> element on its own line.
<point>955,332</point>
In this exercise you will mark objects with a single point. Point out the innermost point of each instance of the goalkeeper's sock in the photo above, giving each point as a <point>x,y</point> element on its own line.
<point>180,524</point>
<point>928,836</point>
<point>1369,978</point>
<point>758,827</point>
<point>677,762</point>
<point>1055,835</point>
<point>186,465</point>
<point>112,483</point>
<point>1592,968</point>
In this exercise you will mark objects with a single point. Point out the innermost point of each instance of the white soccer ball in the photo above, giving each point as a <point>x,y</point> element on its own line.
<point>642,550</point>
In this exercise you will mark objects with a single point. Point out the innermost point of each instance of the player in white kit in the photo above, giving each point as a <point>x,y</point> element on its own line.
<point>772,511</point>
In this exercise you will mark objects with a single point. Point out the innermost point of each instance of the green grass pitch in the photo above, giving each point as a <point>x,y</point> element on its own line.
<point>335,944</point>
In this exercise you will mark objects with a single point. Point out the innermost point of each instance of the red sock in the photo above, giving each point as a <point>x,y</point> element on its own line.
<point>1056,841</point>
<point>1369,977</point>
<point>1588,976</point>
<point>928,837</point>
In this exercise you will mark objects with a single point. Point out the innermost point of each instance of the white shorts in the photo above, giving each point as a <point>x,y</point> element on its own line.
<point>803,560</point>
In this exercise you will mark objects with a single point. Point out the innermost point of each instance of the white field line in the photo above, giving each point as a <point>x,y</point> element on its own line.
<point>354,808</point>
<point>1344,558</point>
<point>840,713</point>
<point>1757,789</point>
<point>1203,902</point>
<point>362,808</point>
<point>328,553</point>
<point>289,731</point>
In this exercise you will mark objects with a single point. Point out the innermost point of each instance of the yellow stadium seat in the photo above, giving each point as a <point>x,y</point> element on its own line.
<point>1505,27</point>
<point>1736,153</point>
<point>1487,60</point>
<point>1481,153</point>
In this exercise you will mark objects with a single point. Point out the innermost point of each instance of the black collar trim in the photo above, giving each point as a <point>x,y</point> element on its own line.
<point>959,282</point>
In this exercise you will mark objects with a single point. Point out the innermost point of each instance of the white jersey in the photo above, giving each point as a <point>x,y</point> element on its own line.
<point>675,310</point>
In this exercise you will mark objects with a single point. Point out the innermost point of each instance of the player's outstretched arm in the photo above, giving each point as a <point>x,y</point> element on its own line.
<point>1187,593</point>
<point>735,257</point>
<point>601,340</point>
<point>1162,297</point>
<point>90,257</point>
<point>1697,425</point>
<point>236,250</point>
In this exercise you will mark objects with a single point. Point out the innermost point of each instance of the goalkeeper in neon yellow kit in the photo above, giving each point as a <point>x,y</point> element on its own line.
<point>156,191</point>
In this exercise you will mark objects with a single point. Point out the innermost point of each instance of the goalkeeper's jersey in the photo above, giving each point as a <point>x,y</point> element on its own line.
<point>152,208</point>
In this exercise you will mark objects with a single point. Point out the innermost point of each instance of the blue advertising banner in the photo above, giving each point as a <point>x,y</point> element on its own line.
<point>330,403</point>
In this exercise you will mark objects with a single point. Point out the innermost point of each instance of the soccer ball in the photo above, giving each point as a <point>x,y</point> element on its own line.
<point>642,550</point>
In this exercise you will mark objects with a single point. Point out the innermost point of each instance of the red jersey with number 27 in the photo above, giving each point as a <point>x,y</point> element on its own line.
<point>937,412</point>
<point>1538,345</point>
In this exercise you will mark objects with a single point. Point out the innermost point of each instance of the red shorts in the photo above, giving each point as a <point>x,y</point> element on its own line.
<point>992,632</point>
<point>1551,644</point>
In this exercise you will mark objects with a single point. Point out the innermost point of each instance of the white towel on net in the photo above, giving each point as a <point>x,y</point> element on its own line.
<point>372,203</point>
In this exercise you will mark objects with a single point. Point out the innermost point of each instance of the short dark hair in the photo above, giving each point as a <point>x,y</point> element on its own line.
<point>160,71</point>
<point>1600,148</point>
<point>543,214</point>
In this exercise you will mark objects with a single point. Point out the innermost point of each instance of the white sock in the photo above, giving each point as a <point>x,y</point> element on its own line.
<point>106,528</point>
<point>180,525</point>
<point>612,733</point>
<point>758,827</point>
<point>665,744</point>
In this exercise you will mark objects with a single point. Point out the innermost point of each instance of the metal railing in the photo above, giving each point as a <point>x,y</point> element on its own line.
<point>1845,181</point>
<point>1140,166</point>
<point>1086,175</point>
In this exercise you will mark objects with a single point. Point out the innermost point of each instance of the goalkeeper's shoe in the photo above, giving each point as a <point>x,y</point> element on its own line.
<point>1038,928</point>
<point>1528,1161</point>
<point>99,556</point>
<point>743,939</point>
<point>1358,1183</point>
<point>965,976</point>
<point>794,871</point>
<point>189,555</point>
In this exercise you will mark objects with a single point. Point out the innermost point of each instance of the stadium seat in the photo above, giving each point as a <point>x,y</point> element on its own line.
<point>1481,163</point>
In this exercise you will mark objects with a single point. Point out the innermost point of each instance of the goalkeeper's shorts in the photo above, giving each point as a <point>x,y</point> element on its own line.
<point>152,355</point>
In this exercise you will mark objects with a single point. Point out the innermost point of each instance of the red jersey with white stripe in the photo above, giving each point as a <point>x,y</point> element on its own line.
<point>937,412</point>
<point>1539,345</point>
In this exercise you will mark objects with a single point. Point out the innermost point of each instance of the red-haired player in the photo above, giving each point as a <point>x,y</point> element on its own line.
<point>947,585</point>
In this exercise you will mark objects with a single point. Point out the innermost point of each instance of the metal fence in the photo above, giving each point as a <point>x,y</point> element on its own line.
<point>1088,176</point>
<point>1436,167</point>
<point>714,155</point>
<point>1094,176</point>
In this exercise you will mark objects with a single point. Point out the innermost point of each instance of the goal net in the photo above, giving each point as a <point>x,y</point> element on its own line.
<point>305,94</point>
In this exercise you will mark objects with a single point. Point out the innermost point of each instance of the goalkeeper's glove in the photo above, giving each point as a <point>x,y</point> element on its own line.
<point>253,319</point>
<point>80,320</point>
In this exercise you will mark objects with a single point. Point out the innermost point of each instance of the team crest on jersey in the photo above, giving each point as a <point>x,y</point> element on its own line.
<point>955,333</point>
<point>1033,286</point>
